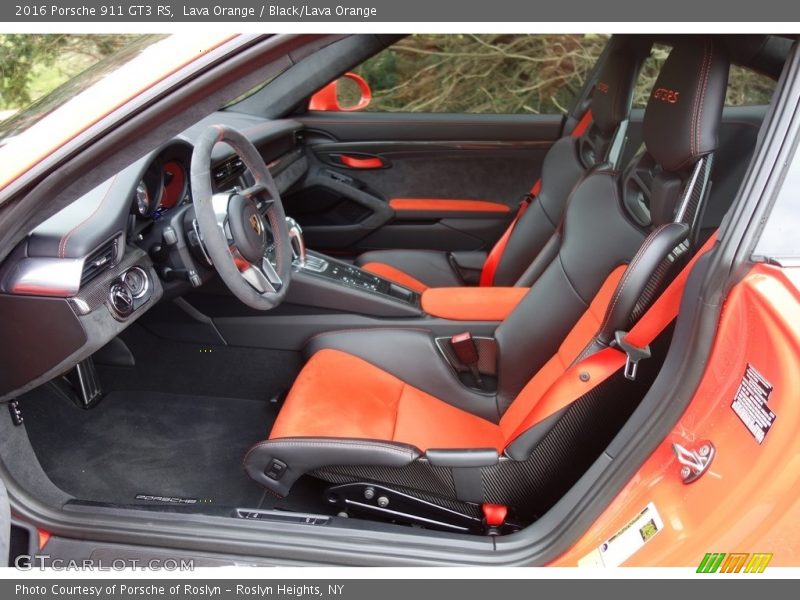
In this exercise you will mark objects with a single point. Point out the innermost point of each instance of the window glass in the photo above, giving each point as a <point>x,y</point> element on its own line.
<point>506,74</point>
<point>747,88</point>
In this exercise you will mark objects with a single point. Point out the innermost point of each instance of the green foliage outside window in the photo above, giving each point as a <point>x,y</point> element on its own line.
<point>511,74</point>
<point>32,65</point>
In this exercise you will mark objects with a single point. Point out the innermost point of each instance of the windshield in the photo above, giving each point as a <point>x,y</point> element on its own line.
<point>39,109</point>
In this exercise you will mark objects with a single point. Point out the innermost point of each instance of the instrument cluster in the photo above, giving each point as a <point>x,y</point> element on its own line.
<point>165,183</point>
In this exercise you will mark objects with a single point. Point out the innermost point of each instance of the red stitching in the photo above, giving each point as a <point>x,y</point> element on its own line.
<point>221,133</point>
<point>696,101</point>
<point>694,136</point>
<point>647,243</point>
<point>701,81</point>
<point>583,178</point>
<point>698,130</point>
<point>62,247</point>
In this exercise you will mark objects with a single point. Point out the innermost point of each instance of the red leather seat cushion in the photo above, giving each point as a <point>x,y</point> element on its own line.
<point>342,396</point>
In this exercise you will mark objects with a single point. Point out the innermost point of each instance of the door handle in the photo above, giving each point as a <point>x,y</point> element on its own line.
<point>362,162</point>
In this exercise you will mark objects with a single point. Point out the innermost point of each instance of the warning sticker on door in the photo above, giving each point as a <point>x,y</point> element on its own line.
<point>750,404</point>
<point>624,544</point>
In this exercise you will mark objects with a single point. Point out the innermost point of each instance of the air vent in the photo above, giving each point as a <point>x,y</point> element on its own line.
<point>98,261</point>
<point>230,169</point>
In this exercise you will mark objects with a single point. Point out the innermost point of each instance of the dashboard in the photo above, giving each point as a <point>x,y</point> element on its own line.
<point>100,263</point>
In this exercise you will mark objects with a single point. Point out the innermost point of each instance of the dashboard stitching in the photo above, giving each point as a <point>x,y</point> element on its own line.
<point>62,247</point>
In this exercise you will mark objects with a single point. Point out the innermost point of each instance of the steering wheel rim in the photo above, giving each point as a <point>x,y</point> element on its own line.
<point>233,225</point>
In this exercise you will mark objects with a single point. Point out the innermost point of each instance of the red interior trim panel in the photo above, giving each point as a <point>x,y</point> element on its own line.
<point>447,205</point>
<point>355,162</point>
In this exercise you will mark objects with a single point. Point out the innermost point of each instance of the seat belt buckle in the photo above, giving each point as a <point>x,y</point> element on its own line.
<point>633,354</point>
<point>465,348</point>
<point>526,200</point>
<point>466,351</point>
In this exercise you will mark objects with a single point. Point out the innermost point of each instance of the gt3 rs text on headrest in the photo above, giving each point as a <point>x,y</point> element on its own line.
<point>687,97</point>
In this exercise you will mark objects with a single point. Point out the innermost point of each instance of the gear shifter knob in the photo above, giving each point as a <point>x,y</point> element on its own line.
<point>297,241</point>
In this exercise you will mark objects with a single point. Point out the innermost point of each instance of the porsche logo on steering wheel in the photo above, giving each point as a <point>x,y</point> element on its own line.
<point>255,223</point>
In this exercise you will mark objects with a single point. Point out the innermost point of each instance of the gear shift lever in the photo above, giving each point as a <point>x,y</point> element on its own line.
<point>297,241</point>
<point>300,256</point>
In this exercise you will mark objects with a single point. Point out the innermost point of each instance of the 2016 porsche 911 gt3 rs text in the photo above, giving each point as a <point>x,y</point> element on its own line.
<point>257,302</point>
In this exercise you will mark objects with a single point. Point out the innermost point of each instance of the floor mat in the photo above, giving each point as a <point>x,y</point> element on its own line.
<point>148,443</point>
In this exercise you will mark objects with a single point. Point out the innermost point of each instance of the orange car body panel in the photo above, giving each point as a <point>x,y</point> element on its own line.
<point>154,64</point>
<point>327,99</point>
<point>747,501</point>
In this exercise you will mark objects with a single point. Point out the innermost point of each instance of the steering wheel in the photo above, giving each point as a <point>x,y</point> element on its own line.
<point>234,225</point>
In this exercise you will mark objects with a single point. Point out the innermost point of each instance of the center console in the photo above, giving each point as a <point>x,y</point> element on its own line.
<point>352,276</point>
<point>322,281</point>
<point>325,282</point>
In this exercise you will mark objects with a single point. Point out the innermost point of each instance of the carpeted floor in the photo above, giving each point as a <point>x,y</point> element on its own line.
<point>148,443</point>
<point>177,424</point>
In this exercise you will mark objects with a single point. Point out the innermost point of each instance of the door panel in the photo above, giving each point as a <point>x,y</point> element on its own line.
<point>492,158</point>
<point>399,126</point>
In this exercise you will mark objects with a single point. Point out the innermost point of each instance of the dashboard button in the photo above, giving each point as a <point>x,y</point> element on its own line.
<point>137,281</point>
<point>275,469</point>
<point>170,237</point>
<point>121,300</point>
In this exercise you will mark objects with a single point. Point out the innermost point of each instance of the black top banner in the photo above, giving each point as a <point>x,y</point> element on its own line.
<point>388,11</point>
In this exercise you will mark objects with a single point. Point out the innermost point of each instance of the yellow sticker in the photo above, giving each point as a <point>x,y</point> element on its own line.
<point>627,541</point>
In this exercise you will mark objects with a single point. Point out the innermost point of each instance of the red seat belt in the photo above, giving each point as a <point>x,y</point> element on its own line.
<point>583,125</point>
<point>493,260</point>
<point>496,254</point>
<point>585,375</point>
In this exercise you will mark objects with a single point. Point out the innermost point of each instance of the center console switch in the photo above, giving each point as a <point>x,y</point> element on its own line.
<point>353,277</point>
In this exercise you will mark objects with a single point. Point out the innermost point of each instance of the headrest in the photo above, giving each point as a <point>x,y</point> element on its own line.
<point>612,92</point>
<point>682,117</point>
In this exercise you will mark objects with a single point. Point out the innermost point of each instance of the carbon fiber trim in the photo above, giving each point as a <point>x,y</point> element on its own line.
<point>558,461</point>
<point>95,293</point>
<point>530,487</point>
<point>419,475</point>
<point>659,280</point>
<point>699,193</point>
<point>668,268</point>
